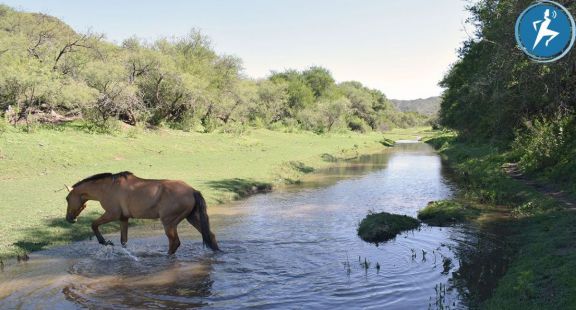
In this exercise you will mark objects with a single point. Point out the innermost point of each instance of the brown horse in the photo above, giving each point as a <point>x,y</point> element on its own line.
<point>124,195</point>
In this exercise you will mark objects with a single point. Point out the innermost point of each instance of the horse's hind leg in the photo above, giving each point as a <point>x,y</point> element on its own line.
<point>173,240</point>
<point>194,220</point>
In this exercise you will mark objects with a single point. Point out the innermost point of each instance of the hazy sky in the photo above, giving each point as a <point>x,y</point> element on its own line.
<point>400,47</point>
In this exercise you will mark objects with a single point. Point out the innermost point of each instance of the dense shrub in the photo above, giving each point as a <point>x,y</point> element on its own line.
<point>542,143</point>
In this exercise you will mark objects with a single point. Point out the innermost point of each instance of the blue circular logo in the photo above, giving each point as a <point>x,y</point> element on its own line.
<point>545,31</point>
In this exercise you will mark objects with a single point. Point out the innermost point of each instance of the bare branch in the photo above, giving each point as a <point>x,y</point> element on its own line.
<point>43,36</point>
<point>87,41</point>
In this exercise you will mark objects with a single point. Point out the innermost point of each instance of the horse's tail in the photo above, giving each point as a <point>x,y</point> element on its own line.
<point>203,221</point>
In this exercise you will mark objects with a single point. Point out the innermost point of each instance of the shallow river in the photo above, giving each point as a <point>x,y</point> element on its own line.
<point>293,248</point>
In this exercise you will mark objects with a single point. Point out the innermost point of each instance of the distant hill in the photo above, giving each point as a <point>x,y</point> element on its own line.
<point>427,106</point>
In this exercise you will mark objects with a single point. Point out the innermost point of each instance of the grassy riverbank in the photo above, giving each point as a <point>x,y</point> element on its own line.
<point>542,272</point>
<point>35,166</point>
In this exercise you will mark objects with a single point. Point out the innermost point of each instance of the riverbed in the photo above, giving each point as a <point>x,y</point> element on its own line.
<point>293,248</point>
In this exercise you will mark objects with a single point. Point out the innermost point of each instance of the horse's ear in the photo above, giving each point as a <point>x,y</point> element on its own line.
<point>68,188</point>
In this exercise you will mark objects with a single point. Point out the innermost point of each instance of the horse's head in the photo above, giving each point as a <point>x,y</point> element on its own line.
<point>75,204</point>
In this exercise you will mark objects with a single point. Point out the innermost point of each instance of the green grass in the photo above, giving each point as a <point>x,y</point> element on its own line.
<point>542,274</point>
<point>35,166</point>
<point>447,212</point>
<point>542,271</point>
<point>478,169</point>
<point>381,227</point>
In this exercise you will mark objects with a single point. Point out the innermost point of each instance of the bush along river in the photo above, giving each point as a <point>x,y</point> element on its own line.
<point>293,248</point>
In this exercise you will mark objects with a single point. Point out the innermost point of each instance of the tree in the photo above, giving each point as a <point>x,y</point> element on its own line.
<point>72,44</point>
<point>300,95</point>
<point>361,102</point>
<point>319,79</point>
<point>272,102</point>
<point>334,112</point>
<point>116,97</point>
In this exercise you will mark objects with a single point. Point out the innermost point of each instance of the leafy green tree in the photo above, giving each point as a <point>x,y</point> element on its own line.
<point>300,95</point>
<point>116,97</point>
<point>361,102</point>
<point>334,112</point>
<point>272,102</point>
<point>319,79</point>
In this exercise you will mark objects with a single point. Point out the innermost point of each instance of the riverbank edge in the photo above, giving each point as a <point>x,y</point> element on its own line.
<point>541,271</point>
<point>284,173</point>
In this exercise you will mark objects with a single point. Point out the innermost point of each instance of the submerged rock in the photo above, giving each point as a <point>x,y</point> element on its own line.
<point>380,227</point>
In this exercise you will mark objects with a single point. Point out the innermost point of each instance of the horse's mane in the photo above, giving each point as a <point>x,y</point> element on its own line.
<point>100,176</point>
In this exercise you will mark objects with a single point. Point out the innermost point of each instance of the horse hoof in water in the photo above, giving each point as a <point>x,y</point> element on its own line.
<point>108,242</point>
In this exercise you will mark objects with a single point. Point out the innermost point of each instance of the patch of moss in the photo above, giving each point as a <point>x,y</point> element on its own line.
<point>446,212</point>
<point>380,227</point>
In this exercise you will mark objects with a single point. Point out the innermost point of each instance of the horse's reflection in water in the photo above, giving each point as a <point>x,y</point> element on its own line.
<point>153,282</point>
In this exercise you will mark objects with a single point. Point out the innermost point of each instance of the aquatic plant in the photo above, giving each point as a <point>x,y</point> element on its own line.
<point>347,265</point>
<point>380,227</point>
<point>446,212</point>
<point>446,265</point>
<point>365,264</point>
<point>440,298</point>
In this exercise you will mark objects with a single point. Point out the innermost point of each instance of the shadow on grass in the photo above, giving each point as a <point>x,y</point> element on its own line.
<point>28,246</point>
<point>241,187</point>
<point>329,158</point>
<point>301,167</point>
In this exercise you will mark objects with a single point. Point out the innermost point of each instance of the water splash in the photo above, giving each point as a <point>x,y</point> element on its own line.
<point>125,250</point>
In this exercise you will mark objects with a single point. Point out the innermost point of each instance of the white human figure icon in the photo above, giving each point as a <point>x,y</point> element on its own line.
<point>543,31</point>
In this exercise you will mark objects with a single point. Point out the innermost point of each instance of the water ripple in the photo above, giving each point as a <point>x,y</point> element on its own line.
<point>290,249</point>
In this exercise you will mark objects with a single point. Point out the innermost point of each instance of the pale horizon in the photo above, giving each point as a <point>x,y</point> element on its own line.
<point>402,49</point>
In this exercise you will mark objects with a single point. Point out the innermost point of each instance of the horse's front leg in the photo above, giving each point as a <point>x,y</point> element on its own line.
<point>105,218</point>
<point>124,231</point>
